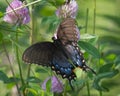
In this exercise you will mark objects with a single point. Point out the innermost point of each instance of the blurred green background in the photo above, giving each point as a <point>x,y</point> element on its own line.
<point>104,15</point>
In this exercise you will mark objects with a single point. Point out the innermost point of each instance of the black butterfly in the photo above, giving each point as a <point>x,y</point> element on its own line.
<point>62,59</point>
<point>63,54</point>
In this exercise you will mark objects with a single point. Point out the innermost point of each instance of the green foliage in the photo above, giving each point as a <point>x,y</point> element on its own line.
<point>89,48</point>
<point>6,79</point>
<point>33,80</point>
<point>47,10</point>
<point>101,76</point>
<point>52,23</point>
<point>102,50</point>
<point>3,77</point>
<point>1,14</point>
<point>117,61</point>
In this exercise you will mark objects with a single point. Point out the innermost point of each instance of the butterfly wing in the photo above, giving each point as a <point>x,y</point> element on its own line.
<point>62,65</point>
<point>76,56</point>
<point>68,31</point>
<point>39,53</point>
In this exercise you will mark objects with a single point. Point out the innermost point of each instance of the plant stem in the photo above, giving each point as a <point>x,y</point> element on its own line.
<point>94,21</point>
<point>11,67</point>
<point>88,88</point>
<point>100,92</point>
<point>86,23</point>
<point>18,61</point>
<point>31,36</point>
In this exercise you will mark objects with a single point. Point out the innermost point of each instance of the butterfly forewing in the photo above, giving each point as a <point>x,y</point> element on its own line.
<point>39,53</point>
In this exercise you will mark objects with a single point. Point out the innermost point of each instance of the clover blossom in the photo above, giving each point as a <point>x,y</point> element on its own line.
<point>20,16</point>
<point>57,85</point>
<point>67,10</point>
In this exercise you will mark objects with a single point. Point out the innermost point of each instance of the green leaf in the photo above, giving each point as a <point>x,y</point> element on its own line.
<point>78,72</point>
<point>33,80</point>
<point>51,21</point>
<point>48,85</point>
<point>1,14</point>
<point>117,60</point>
<point>47,10</point>
<point>32,92</point>
<point>101,76</point>
<point>59,2</point>
<point>41,70</point>
<point>80,81</point>
<point>4,77</point>
<point>110,57</point>
<point>89,48</point>
<point>106,68</point>
<point>12,79</point>
<point>56,3</point>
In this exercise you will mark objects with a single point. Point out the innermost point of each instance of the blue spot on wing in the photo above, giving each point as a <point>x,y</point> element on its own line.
<point>61,63</point>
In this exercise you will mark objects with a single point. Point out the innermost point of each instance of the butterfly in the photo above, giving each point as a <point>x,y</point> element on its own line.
<point>62,59</point>
<point>63,54</point>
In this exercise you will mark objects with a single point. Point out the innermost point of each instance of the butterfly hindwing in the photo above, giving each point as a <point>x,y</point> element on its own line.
<point>62,65</point>
<point>39,53</point>
<point>74,55</point>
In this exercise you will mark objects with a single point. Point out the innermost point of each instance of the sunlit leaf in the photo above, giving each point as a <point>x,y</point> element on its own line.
<point>32,92</point>
<point>48,85</point>
<point>111,57</point>
<point>1,14</point>
<point>101,76</point>
<point>47,10</point>
<point>78,72</point>
<point>89,48</point>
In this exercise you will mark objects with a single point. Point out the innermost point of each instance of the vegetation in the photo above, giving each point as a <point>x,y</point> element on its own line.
<point>99,24</point>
